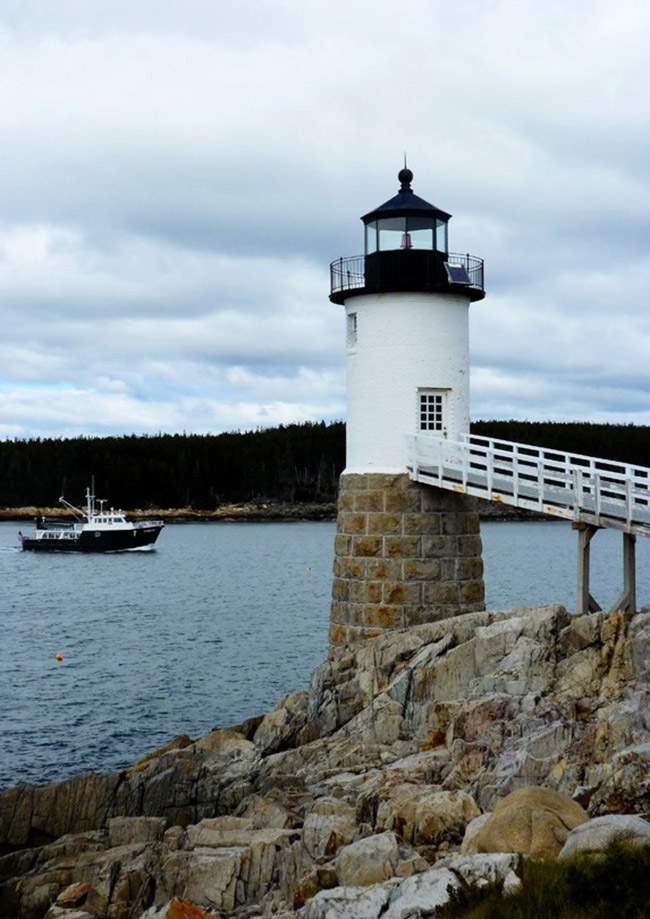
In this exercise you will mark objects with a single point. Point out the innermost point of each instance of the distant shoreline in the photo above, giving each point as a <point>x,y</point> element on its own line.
<point>253,512</point>
<point>226,513</point>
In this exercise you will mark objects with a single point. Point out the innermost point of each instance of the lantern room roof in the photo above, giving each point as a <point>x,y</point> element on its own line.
<point>406,203</point>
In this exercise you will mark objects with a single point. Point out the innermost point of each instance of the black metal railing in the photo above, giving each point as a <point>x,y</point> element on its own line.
<point>347,273</point>
<point>351,273</point>
<point>473,264</point>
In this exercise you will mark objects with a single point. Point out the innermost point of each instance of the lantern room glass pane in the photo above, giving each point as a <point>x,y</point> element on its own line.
<point>441,236</point>
<point>371,237</point>
<point>392,234</point>
<point>420,231</point>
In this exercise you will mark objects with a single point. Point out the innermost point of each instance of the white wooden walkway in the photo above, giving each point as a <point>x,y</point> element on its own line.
<point>592,493</point>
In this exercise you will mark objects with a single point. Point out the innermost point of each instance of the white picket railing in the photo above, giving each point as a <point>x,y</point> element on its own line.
<point>580,488</point>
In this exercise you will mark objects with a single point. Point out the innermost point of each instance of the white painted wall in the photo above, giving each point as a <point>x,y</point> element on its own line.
<point>404,341</point>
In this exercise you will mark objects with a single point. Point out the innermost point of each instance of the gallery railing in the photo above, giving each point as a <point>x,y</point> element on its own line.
<point>351,273</point>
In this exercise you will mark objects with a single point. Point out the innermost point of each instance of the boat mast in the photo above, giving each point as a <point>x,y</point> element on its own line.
<point>90,502</point>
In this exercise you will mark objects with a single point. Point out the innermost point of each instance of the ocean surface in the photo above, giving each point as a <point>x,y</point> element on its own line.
<point>214,626</point>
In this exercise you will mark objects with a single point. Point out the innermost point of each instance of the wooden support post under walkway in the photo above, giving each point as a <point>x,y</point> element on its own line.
<point>626,603</point>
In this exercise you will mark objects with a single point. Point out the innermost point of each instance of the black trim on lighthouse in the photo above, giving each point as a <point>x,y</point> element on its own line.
<point>406,249</point>
<point>405,202</point>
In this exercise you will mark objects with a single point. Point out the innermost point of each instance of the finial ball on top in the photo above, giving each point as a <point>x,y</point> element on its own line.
<point>406,177</point>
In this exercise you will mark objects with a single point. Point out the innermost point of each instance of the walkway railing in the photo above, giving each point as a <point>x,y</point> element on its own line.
<point>583,489</point>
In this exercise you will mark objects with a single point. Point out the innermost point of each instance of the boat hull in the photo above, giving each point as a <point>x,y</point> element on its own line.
<point>95,541</point>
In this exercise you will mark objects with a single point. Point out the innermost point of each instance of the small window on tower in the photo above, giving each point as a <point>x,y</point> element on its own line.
<point>431,410</point>
<point>351,330</point>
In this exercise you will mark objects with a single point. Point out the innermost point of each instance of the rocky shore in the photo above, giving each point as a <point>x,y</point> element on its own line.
<point>423,761</point>
<point>253,511</point>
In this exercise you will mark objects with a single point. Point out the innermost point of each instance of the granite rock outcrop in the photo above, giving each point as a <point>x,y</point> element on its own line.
<point>355,797</point>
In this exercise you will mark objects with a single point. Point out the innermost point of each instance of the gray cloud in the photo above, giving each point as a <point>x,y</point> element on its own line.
<point>175,182</point>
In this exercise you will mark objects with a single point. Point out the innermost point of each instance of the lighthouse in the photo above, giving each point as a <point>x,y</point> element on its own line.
<point>405,553</point>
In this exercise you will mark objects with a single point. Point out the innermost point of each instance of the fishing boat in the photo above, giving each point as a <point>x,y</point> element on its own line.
<point>93,530</point>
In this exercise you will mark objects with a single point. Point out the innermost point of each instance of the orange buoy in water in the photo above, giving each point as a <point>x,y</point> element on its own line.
<point>59,657</point>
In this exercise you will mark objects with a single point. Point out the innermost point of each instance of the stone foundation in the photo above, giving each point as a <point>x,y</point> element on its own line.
<point>404,554</point>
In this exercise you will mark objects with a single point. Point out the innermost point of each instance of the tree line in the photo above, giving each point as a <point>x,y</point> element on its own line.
<point>290,463</point>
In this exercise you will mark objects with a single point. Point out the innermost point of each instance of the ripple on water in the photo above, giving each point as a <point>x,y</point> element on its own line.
<point>212,628</point>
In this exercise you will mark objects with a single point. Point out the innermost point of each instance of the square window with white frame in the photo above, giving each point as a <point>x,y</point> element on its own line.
<point>432,410</point>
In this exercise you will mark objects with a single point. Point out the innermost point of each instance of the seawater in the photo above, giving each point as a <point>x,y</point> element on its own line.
<point>211,628</point>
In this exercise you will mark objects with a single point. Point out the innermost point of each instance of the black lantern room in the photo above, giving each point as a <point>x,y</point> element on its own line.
<point>406,249</point>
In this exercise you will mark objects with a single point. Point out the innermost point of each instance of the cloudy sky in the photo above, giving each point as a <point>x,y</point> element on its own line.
<point>176,177</point>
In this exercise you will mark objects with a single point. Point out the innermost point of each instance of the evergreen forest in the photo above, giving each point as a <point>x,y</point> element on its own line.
<point>296,463</point>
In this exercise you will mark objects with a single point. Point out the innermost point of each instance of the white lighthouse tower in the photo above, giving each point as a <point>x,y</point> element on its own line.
<point>405,553</point>
<point>407,331</point>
